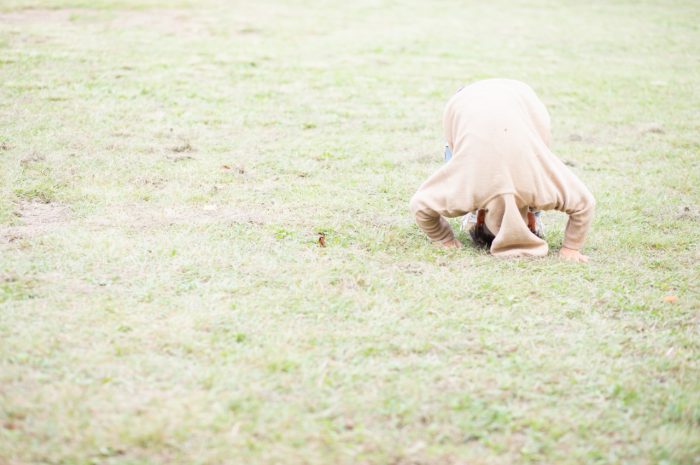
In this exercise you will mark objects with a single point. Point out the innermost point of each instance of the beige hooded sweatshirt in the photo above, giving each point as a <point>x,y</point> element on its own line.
<point>499,133</point>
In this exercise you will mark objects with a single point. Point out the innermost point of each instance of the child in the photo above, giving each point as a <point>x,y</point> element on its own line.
<point>501,171</point>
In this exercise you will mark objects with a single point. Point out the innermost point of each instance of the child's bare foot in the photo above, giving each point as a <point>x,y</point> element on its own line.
<point>572,255</point>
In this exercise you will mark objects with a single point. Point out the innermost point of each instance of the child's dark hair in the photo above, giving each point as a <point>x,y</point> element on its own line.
<point>481,236</point>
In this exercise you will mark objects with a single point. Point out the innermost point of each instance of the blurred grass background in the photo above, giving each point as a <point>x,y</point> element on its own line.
<point>165,171</point>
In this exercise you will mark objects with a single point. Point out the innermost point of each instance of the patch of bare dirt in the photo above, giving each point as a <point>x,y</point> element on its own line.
<point>689,213</point>
<point>31,159</point>
<point>583,139</point>
<point>653,128</point>
<point>163,21</point>
<point>168,22</point>
<point>181,151</point>
<point>35,218</point>
<point>36,16</point>
<point>144,217</point>
<point>184,147</point>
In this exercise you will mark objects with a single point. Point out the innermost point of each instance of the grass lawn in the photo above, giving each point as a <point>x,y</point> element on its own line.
<point>166,168</point>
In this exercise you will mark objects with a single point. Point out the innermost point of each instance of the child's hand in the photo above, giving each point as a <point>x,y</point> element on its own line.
<point>572,255</point>
<point>451,244</point>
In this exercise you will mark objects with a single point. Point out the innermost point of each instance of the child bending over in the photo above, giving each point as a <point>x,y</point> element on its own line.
<point>500,174</point>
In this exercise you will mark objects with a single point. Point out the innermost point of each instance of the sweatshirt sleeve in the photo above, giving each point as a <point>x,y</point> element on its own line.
<point>429,220</point>
<point>579,204</point>
<point>442,195</point>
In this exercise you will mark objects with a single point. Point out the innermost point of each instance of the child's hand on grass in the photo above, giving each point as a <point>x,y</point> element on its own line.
<point>572,255</point>
<point>451,244</point>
